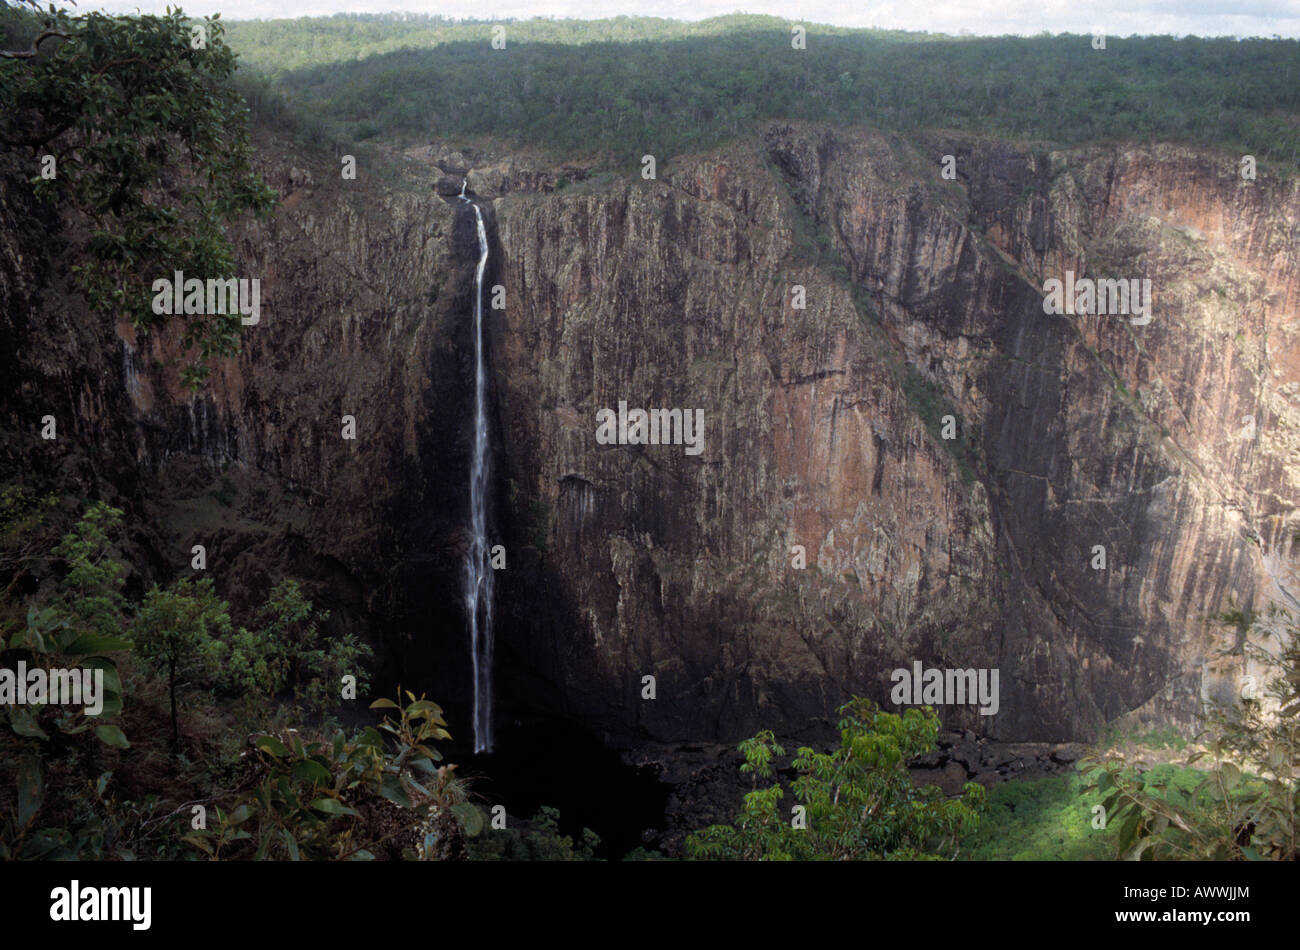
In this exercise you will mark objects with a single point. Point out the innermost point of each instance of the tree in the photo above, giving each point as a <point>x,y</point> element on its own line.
<point>91,594</point>
<point>538,839</point>
<point>178,631</point>
<point>858,801</point>
<point>288,651</point>
<point>132,123</point>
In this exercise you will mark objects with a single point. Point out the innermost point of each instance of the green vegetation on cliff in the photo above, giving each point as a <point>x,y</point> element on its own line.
<point>1052,819</point>
<point>200,710</point>
<point>196,710</point>
<point>1231,794</point>
<point>1245,804</point>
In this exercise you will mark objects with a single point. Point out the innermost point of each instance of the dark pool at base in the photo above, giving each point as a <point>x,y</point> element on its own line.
<point>554,763</point>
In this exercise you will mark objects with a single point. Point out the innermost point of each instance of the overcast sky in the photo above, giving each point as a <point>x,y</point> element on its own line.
<point>995,17</point>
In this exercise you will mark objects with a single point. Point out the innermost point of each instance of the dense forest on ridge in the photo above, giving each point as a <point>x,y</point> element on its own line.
<point>648,85</point>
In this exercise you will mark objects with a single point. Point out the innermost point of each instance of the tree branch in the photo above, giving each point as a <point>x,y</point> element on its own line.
<point>35,49</point>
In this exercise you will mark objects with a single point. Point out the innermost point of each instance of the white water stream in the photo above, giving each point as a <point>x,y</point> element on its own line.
<point>478,570</point>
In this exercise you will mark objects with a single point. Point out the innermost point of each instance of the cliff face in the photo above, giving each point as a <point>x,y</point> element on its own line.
<point>1072,431</point>
<point>822,428</point>
<point>362,295</point>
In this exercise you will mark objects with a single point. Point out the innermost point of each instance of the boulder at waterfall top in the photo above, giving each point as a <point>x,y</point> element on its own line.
<point>445,184</point>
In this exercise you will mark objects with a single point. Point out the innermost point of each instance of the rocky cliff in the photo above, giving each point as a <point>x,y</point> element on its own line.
<point>834,307</point>
<point>976,551</point>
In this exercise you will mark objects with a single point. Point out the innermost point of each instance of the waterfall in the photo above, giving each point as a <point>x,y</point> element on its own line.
<point>130,374</point>
<point>478,572</point>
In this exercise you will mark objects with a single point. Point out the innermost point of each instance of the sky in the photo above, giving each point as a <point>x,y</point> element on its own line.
<point>981,17</point>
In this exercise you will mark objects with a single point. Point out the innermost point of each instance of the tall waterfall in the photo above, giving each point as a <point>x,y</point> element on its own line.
<point>478,572</point>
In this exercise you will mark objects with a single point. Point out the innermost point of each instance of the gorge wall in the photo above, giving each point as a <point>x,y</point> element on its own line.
<point>1081,431</point>
<point>821,426</point>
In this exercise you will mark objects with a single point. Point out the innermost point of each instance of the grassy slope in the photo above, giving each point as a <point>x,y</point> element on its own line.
<point>1050,819</point>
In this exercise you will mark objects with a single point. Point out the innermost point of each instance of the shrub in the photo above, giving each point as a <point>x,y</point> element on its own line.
<point>858,801</point>
<point>348,798</point>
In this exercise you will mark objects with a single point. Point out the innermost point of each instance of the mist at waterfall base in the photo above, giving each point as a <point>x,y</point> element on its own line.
<point>515,747</point>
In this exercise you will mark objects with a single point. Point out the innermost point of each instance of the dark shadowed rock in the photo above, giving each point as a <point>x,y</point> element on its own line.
<point>447,185</point>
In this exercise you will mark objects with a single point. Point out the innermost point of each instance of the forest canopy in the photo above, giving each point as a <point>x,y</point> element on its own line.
<point>647,85</point>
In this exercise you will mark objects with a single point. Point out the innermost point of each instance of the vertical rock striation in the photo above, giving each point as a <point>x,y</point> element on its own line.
<point>822,426</point>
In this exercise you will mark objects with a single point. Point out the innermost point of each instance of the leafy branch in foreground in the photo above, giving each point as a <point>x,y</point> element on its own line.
<point>39,741</point>
<point>346,798</point>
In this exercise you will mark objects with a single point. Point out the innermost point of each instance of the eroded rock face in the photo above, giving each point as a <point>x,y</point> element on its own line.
<point>822,428</point>
<point>1082,431</point>
<point>255,467</point>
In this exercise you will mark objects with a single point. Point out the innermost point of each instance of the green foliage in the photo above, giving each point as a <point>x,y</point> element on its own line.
<point>651,85</point>
<point>928,401</point>
<point>151,148</point>
<point>179,633</point>
<point>1168,738</point>
<point>1161,739</point>
<point>287,651</point>
<point>317,800</point>
<point>1040,819</point>
<point>87,823</point>
<point>75,631</point>
<point>1051,818</point>
<point>26,534</point>
<point>90,594</point>
<point>65,769</point>
<point>1246,805</point>
<point>859,800</point>
<point>185,633</point>
<point>83,622</point>
<point>281,46</point>
<point>268,105</point>
<point>539,840</point>
<point>418,723</point>
<point>924,398</point>
<point>645,854</point>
